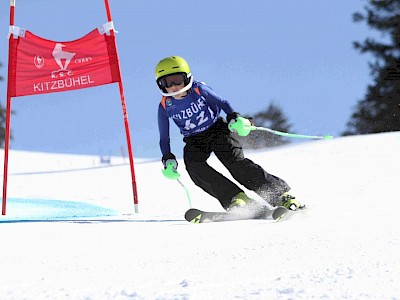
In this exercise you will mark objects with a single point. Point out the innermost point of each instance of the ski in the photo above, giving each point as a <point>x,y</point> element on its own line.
<point>196,216</point>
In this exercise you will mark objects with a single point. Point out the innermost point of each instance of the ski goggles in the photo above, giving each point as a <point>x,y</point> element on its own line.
<point>170,80</point>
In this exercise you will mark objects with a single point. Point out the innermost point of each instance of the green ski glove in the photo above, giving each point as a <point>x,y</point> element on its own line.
<point>169,171</point>
<point>240,125</point>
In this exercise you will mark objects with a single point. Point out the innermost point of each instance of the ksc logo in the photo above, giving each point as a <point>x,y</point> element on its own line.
<point>38,61</point>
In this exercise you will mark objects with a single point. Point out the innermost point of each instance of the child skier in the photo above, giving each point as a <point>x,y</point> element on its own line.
<point>195,108</point>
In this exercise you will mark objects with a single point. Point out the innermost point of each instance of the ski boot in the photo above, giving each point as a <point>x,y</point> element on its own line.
<point>241,203</point>
<point>290,202</point>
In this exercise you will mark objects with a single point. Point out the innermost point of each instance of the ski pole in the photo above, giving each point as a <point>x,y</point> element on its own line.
<point>187,192</point>
<point>172,174</point>
<point>292,135</point>
<point>243,127</point>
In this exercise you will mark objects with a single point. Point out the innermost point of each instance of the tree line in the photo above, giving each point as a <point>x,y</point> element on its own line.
<point>379,110</point>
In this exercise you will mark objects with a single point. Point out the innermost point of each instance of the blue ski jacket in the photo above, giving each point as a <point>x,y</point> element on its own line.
<point>194,114</point>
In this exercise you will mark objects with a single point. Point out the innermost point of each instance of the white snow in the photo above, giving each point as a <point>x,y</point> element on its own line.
<point>67,234</point>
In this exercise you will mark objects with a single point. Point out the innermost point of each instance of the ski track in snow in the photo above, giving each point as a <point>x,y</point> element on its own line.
<point>88,245</point>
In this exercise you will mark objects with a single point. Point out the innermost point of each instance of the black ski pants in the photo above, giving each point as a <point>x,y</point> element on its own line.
<point>227,148</point>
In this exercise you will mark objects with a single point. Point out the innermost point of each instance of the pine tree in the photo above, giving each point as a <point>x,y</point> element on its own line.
<point>379,111</point>
<point>274,118</point>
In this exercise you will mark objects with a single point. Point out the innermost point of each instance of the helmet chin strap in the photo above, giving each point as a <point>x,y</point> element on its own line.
<point>180,91</point>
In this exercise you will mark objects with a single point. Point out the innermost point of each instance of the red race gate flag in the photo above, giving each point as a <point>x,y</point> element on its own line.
<point>38,66</point>
<point>42,66</point>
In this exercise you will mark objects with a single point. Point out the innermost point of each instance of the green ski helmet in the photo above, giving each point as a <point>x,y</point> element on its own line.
<point>173,65</point>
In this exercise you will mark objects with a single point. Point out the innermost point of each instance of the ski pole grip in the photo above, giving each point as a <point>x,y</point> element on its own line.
<point>169,172</point>
<point>241,125</point>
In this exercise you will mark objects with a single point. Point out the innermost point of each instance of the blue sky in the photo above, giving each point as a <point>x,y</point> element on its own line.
<point>298,54</point>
